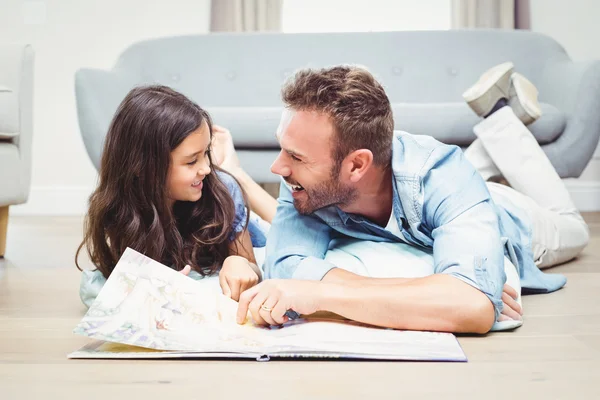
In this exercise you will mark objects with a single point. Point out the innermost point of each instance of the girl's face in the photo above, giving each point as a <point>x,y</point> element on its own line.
<point>189,166</point>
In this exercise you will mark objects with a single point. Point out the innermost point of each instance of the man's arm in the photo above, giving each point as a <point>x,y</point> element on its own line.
<point>441,302</point>
<point>465,293</point>
<point>417,304</point>
<point>450,300</point>
<point>459,216</point>
<point>296,244</point>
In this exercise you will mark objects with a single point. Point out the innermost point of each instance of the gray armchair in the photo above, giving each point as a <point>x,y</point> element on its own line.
<point>237,78</point>
<point>16,129</point>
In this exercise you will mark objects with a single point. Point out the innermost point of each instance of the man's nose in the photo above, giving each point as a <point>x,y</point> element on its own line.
<point>279,167</point>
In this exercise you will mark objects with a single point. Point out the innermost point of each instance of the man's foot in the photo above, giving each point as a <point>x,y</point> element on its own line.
<point>524,99</point>
<point>223,152</point>
<point>500,86</point>
<point>492,87</point>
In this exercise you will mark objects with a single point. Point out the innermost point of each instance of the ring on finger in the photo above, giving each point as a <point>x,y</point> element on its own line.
<point>265,308</point>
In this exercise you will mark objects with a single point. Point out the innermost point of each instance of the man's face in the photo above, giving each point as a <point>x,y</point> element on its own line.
<point>306,163</point>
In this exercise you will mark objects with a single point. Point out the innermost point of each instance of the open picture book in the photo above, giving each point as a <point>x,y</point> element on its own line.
<point>148,310</point>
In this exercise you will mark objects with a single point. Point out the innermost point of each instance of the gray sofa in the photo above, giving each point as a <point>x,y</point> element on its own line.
<point>237,78</point>
<point>16,129</point>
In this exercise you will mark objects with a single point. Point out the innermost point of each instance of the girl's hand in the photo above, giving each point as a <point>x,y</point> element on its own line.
<point>223,151</point>
<point>236,276</point>
<point>186,270</point>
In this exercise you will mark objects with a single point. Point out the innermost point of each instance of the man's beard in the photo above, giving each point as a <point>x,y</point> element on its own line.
<point>325,194</point>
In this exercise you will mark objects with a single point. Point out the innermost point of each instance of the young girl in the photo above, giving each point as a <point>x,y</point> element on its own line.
<point>160,194</point>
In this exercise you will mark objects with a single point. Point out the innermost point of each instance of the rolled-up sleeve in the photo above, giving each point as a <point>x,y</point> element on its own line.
<point>460,214</point>
<point>296,244</point>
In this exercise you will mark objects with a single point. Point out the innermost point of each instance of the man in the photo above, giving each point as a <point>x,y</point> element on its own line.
<point>348,175</point>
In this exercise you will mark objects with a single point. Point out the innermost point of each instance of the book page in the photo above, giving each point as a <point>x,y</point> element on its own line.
<point>146,304</point>
<point>149,305</point>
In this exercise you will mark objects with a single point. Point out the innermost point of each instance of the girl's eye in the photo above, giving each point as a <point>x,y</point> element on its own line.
<point>192,162</point>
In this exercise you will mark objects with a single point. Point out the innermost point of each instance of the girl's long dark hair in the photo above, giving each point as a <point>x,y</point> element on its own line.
<point>130,208</point>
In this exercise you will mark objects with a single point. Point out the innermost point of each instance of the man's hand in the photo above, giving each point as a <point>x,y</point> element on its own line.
<point>269,300</point>
<point>235,276</point>
<point>511,310</point>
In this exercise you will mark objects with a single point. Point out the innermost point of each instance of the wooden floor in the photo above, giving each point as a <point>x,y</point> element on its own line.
<point>554,355</point>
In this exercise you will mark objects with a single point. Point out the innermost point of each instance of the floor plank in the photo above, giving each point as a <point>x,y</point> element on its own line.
<point>554,355</point>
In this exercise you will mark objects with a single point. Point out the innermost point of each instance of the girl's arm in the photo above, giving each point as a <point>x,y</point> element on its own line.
<point>225,157</point>
<point>239,271</point>
<point>261,202</point>
<point>242,247</point>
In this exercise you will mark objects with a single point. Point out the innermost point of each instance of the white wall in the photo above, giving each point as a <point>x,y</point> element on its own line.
<point>70,34</point>
<point>353,16</point>
<point>67,35</point>
<point>574,24</point>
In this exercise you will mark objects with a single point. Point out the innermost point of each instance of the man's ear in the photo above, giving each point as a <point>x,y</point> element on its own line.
<point>358,163</point>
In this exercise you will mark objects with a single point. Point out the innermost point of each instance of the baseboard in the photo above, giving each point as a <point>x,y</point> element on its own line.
<point>72,200</point>
<point>585,194</point>
<point>55,201</point>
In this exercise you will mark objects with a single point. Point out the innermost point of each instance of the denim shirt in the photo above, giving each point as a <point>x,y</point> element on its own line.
<point>441,204</point>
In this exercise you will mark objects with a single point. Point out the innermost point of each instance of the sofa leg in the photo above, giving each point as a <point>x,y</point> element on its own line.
<point>3,229</point>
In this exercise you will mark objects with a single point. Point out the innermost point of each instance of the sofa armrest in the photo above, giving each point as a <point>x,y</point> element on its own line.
<point>574,88</point>
<point>98,94</point>
<point>9,111</point>
<point>16,73</point>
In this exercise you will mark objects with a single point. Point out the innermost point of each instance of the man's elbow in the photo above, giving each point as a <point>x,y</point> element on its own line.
<point>280,267</point>
<point>478,316</point>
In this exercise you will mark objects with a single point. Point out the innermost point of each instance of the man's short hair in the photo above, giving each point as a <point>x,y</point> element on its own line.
<point>356,103</point>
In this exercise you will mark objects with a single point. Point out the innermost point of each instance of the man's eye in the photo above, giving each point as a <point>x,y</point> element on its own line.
<point>295,158</point>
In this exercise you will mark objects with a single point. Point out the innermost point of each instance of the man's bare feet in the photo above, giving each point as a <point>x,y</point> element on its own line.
<point>223,152</point>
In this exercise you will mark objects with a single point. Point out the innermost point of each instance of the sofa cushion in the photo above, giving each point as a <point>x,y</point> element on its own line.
<point>452,123</point>
<point>251,127</point>
<point>9,113</point>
